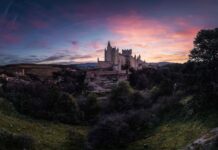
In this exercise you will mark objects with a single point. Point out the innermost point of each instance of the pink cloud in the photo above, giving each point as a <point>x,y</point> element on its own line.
<point>154,39</point>
<point>95,45</point>
<point>9,38</point>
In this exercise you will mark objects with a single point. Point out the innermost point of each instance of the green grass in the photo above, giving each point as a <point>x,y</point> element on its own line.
<point>48,135</point>
<point>173,135</point>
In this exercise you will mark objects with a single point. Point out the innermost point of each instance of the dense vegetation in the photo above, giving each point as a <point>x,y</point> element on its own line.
<point>19,132</point>
<point>148,111</point>
<point>175,91</point>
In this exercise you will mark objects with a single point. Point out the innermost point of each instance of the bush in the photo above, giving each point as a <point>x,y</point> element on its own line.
<point>167,104</point>
<point>145,78</point>
<point>6,107</point>
<point>44,102</point>
<point>66,109</point>
<point>76,139</point>
<point>15,142</point>
<point>119,99</point>
<point>91,108</point>
<point>110,133</point>
<point>117,130</point>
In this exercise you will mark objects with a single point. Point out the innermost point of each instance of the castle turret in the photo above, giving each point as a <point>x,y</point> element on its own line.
<point>109,45</point>
<point>127,52</point>
<point>108,52</point>
<point>139,57</point>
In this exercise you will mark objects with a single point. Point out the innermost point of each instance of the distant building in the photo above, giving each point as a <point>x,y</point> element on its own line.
<point>119,61</point>
<point>112,70</point>
<point>20,73</point>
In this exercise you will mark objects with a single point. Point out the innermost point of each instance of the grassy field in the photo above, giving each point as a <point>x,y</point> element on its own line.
<point>48,135</point>
<point>174,135</point>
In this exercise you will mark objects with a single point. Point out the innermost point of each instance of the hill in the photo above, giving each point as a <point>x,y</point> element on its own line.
<point>176,133</point>
<point>47,135</point>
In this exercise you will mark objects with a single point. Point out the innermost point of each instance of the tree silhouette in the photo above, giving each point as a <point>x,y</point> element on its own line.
<point>205,47</point>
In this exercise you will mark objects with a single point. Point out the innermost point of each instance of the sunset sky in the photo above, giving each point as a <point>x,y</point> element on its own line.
<point>74,31</point>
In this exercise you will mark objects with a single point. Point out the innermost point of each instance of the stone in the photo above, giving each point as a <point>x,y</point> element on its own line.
<point>208,141</point>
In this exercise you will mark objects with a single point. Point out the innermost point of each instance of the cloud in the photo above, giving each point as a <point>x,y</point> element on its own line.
<point>8,32</point>
<point>10,38</point>
<point>95,45</point>
<point>65,58</point>
<point>75,43</point>
<point>15,59</point>
<point>152,38</point>
<point>58,58</point>
<point>39,24</point>
<point>168,58</point>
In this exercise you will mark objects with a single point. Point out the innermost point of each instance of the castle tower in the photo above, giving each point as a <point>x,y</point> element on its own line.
<point>109,45</point>
<point>111,54</point>
<point>108,52</point>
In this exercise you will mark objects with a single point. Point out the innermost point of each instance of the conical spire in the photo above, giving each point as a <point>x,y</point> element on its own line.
<point>109,44</point>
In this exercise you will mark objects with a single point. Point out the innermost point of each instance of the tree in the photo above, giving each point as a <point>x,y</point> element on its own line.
<point>205,47</point>
<point>120,97</point>
<point>205,57</point>
<point>205,52</point>
<point>91,108</point>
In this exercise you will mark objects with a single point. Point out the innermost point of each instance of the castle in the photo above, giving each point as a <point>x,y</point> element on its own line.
<point>113,69</point>
<point>119,61</point>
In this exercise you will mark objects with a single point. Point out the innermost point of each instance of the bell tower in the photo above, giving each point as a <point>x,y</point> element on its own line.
<point>108,52</point>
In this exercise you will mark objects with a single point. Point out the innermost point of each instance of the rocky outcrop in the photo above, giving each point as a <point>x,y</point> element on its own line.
<point>207,142</point>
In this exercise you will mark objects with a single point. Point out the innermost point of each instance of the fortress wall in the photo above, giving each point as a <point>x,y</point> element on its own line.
<point>104,64</point>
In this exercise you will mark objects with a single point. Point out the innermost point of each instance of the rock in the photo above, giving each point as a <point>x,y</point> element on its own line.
<point>208,141</point>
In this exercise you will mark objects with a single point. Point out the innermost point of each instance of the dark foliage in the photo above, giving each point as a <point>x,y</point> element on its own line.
<point>117,130</point>
<point>43,101</point>
<point>71,81</point>
<point>203,68</point>
<point>76,139</point>
<point>15,141</point>
<point>145,78</point>
<point>128,115</point>
<point>91,108</point>
<point>205,47</point>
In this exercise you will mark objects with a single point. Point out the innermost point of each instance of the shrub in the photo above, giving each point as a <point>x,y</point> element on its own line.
<point>139,100</point>
<point>119,99</point>
<point>76,139</point>
<point>110,133</point>
<point>117,130</point>
<point>15,142</point>
<point>91,108</point>
<point>44,101</point>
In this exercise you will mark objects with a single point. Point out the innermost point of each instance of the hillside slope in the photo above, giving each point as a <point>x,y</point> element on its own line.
<point>47,135</point>
<point>177,133</point>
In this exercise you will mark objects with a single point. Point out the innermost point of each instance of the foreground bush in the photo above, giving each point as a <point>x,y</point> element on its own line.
<point>116,131</point>
<point>91,108</point>
<point>44,102</point>
<point>9,141</point>
<point>76,139</point>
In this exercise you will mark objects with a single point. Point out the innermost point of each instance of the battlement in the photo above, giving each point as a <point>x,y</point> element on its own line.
<point>127,52</point>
